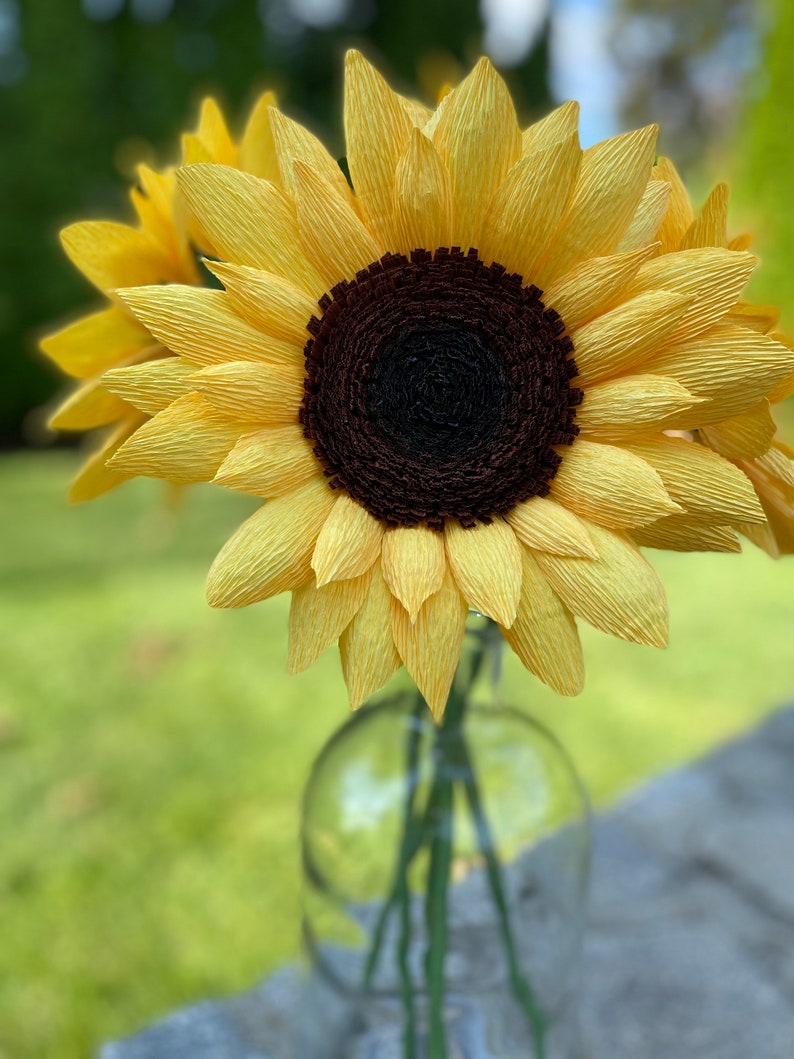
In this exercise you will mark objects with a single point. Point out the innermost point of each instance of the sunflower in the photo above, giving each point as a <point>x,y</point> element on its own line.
<point>113,255</point>
<point>749,440</point>
<point>453,382</point>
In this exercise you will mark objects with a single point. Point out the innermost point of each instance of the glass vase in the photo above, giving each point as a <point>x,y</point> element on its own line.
<point>445,875</point>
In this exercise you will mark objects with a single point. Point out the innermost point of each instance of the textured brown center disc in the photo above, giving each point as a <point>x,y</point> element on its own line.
<point>437,388</point>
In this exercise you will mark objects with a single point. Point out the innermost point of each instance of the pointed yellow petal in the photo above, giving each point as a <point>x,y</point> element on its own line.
<point>544,634</point>
<point>95,343</point>
<point>633,404</point>
<point>90,406</point>
<point>559,125</point>
<point>294,143</point>
<point>413,564</point>
<point>680,533</point>
<point>366,647</point>
<point>336,241</point>
<point>318,617</point>
<point>609,485</point>
<point>268,302</point>
<point>625,337</point>
<point>271,551</point>
<point>377,129</point>
<point>151,386</point>
<point>711,226</point>
<point>423,197</point>
<point>214,134</point>
<point>526,209</point>
<point>349,543</point>
<point>94,478</point>
<point>712,277</point>
<point>115,255</point>
<point>550,527</point>
<point>186,442</point>
<point>619,593</point>
<point>778,464</point>
<point>270,394</point>
<point>269,462</point>
<point>257,150</point>
<point>742,437</point>
<point>703,483</point>
<point>761,318</point>
<point>248,221</point>
<point>479,139</point>
<point>594,286</point>
<point>679,214</point>
<point>430,646</point>
<point>647,219</point>
<point>203,326</point>
<point>486,564</point>
<point>612,179</point>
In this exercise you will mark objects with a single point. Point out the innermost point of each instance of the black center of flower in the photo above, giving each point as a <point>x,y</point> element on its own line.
<point>438,388</point>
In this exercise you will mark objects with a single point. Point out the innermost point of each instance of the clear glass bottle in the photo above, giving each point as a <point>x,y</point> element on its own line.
<point>445,878</point>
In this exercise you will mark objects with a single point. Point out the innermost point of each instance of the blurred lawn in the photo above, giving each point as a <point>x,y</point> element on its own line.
<point>152,751</point>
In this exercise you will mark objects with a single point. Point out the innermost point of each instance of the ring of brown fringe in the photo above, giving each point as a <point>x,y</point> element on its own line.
<point>437,388</point>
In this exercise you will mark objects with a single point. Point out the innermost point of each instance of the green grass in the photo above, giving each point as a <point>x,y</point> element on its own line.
<point>152,751</point>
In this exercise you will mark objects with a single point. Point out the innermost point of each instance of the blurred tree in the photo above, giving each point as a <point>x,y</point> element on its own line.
<point>87,92</point>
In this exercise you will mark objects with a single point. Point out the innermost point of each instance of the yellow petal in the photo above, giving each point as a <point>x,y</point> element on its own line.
<point>594,286</point>
<point>318,617</point>
<point>648,217</point>
<point>679,214</point>
<point>680,533</point>
<point>257,150</point>
<point>711,226</point>
<point>203,326</point>
<point>366,647</point>
<point>423,197</point>
<point>269,463</point>
<point>761,318</point>
<point>703,483</point>
<point>268,302</point>
<point>94,477</point>
<point>294,143</point>
<point>619,593</point>
<point>95,343</point>
<point>559,125</point>
<point>610,485</point>
<point>732,366</point>
<point>526,209</point>
<point>479,139</point>
<point>151,386</point>
<point>430,646</point>
<point>377,129</point>
<point>625,337</point>
<point>336,241</point>
<point>486,564</point>
<point>742,437</point>
<point>88,407</point>
<point>186,442</point>
<point>712,277</point>
<point>612,179</point>
<point>271,551</point>
<point>270,394</point>
<point>248,221</point>
<point>778,464</point>
<point>115,255</point>
<point>413,563</point>
<point>544,634</point>
<point>634,404</point>
<point>549,527</point>
<point>214,135</point>
<point>349,544</point>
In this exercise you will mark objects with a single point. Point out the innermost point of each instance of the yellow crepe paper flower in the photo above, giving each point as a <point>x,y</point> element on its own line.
<point>115,255</point>
<point>453,384</point>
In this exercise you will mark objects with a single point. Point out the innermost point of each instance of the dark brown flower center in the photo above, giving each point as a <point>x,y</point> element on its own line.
<point>438,388</point>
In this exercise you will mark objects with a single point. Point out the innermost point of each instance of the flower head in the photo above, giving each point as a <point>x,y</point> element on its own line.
<point>453,383</point>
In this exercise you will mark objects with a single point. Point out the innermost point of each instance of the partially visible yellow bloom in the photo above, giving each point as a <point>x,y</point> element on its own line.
<point>159,249</point>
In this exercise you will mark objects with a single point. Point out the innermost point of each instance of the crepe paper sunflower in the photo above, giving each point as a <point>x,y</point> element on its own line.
<point>452,383</point>
<point>159,249</point>
<point>748,439</point>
